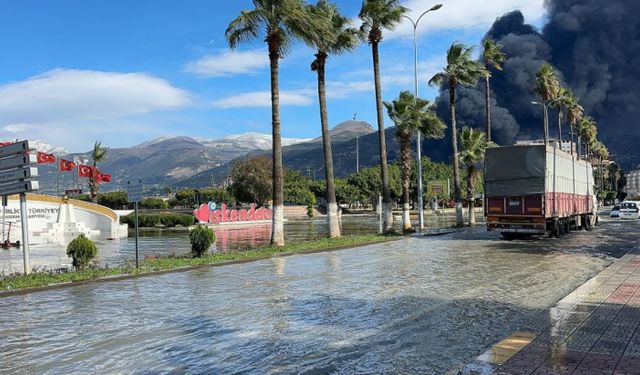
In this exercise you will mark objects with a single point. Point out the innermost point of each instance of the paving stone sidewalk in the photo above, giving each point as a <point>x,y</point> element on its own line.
<point>594,330</point>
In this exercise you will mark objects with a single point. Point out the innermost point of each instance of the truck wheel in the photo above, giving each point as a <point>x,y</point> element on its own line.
<point>556,229</point>
<point>587,222</point>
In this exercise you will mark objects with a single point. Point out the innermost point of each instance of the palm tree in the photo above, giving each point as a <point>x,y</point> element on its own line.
<point>473,144</point>
<point>278,23</point>
<point>377,15</point>
<point>560,102</point>
<point>411,115</point>
<point>546,87</point>
<point>574,114</point>
<point>460,69</point>
<point>493,58</point>
<point>98,154</point>
<point>588,134</point>
<point>338,38</point>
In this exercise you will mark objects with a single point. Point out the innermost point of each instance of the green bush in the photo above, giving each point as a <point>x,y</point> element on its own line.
<point>202,238</point>
<point>81,250</point>
<point>154,204</point>
<point>115,200</point>
<point>164,219</point>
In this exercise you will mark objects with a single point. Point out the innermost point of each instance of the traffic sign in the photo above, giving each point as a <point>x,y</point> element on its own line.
<point>18,187</point>
<point>18,174</point>
<point>17,161</point>
<point>14,149</point>
<point>134,191</point>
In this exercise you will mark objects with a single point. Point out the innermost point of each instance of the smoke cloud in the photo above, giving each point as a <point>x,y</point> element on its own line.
<point>595,47</point>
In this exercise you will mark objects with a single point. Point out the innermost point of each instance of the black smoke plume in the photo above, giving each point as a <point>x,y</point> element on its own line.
<point>594,45</point>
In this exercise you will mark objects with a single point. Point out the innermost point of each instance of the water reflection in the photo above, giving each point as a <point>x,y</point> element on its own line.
<point>415,306</point>
<point>168,242</point>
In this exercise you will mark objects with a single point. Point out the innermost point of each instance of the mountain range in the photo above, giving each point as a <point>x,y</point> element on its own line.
<point>177,161</point>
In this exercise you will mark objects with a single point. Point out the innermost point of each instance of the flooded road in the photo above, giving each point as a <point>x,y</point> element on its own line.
<point>168,242</point>
<point>418,305</point>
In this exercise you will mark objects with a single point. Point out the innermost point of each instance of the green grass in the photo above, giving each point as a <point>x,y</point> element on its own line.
<point>41,279</point>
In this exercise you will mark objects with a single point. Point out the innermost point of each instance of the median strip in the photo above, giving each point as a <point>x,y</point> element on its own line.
<point>38,281</point>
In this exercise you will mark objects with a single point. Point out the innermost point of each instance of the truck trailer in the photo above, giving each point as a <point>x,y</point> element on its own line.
<point>537,189</point>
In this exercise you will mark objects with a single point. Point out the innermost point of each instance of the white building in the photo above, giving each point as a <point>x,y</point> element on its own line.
<point>633,183</point>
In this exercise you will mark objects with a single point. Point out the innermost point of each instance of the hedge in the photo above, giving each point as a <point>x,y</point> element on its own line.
<point>164,219</point>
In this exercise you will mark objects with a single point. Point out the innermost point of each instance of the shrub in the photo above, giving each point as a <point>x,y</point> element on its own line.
<point>202,238</point>
<point>154,204</point>
<point>165,219</point>
<point>81,250</point>
<point>115,199</point>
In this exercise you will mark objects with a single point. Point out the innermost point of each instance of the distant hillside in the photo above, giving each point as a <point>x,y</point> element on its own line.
<point>159,162</point>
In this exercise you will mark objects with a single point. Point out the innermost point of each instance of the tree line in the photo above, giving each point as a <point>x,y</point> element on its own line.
<point>280,23</point>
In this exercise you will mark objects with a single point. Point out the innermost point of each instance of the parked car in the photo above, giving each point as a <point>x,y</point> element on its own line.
<point>630,210</point>
<point>615,211</point>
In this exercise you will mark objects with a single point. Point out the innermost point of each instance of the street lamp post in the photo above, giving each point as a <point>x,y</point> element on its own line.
<point>545,120</point>
<point>418,135</point>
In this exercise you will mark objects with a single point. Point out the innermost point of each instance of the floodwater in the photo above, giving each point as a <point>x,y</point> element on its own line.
<point>417,306</point>
<point>168,242</point>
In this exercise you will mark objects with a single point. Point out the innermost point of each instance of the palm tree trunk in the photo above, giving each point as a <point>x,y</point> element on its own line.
<point>470,178</point>
<point>487,95</point>
<point>456,162</point>
<point>332,205</point>
<point>277,230</point>
<point>93,184</point>
<point>405,170</point>
<point>545,121</point>
<point>384,172</point>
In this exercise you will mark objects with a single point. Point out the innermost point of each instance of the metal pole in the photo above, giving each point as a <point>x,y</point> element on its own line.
<point>25,233</point>
<point>380,213</point>
<point>137,243</point>
<point>4,210</point>
<point>418,135</point>
<point>357,154</point>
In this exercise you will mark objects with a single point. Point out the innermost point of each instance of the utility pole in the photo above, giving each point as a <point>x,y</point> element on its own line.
<point>418,135</point>
<point>357,154</point>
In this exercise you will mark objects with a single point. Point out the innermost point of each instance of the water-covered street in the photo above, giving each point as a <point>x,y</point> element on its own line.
<point>418,305</point>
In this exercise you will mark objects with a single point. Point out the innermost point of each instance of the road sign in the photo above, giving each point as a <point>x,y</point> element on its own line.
<point>16,177</point>
<point>438,188</point>
<point>17,148</point>
<point>17,161</point>
<point>18,187</point>
<point>134,191</point>
<point>18,174</point>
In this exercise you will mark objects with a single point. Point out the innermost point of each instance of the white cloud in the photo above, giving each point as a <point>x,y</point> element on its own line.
<point>16,127</point>
<point>63,95</point>
<point>263,99</point>
<point>465,14</point>
<point>71,108</point>
<point>343,90</point>
<point>229,63</point>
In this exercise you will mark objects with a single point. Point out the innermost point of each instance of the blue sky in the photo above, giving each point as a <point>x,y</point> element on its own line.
<point>123,72</point>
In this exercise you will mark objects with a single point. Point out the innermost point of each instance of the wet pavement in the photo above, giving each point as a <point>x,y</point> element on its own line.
<point>415,306</point>
<point>594,330</point>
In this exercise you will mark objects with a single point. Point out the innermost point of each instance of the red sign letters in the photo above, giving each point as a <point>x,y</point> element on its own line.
<point>204,214</point>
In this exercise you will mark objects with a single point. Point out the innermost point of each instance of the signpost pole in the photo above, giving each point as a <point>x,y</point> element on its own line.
<point>137,254</point>
<point>25,233</point>
<point>5,203</point>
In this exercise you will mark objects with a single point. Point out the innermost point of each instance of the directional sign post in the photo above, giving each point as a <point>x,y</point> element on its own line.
<point>134,194</point>
<point>18,173</point>
<point>5,203</point>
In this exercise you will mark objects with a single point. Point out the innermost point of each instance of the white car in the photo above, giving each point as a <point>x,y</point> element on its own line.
<point>630,210</point>
<point>615,211</point>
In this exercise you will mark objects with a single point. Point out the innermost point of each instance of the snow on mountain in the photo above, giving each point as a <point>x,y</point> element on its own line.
<point>48,148</point>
